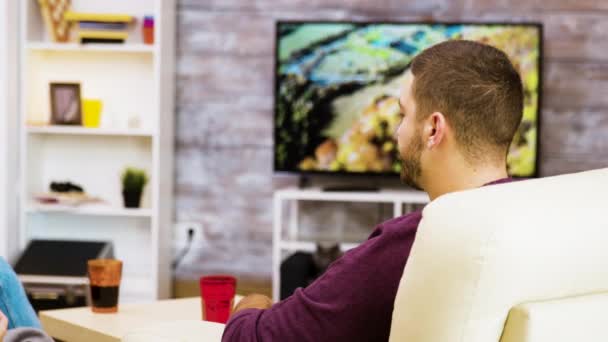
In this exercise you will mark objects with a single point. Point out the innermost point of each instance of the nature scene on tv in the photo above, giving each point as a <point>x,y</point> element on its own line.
<point>338,87</point>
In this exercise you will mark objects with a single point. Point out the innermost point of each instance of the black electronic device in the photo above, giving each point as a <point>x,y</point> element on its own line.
<point>54,272</point>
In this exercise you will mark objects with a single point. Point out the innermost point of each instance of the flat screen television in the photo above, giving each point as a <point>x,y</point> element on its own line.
<point>337,88</point>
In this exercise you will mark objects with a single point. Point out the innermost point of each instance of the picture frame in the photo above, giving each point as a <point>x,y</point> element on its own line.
<point>66,107</point>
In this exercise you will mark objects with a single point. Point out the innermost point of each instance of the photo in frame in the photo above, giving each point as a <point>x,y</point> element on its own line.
<point>66,108</point>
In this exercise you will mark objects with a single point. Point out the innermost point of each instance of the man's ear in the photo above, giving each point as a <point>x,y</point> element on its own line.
<point>435,129</point>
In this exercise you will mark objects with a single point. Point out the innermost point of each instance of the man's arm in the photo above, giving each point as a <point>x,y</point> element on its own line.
<point>352,300</point>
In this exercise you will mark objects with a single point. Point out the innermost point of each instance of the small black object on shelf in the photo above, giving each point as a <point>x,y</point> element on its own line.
<point>66,187</point>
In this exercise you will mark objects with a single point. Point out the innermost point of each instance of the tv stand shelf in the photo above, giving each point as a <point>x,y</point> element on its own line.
<point>285,239</point>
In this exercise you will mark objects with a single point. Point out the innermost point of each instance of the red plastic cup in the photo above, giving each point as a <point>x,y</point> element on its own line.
<point>217,295</point>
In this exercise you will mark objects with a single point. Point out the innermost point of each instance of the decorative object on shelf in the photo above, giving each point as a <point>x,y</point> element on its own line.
<point>65,193</point>
<point>65,104</point>
<point>91,112</point>
<point>53,15</point>
<point>66,187</point>
<point>148,30</point>
<point>100,27</point>
<point>133,182</point>
<point>134,122</point>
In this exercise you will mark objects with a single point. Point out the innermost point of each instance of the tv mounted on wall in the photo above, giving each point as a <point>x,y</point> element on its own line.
<point>337,88</point>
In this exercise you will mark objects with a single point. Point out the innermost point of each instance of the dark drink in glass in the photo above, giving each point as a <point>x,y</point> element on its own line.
<point>104,280</point>
<point>104,296</point>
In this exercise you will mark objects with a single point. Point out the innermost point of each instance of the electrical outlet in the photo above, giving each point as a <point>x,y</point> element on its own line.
<point>181,229</point>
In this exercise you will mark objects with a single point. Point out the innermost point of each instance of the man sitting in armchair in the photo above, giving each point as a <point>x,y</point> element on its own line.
<point>461,104</point>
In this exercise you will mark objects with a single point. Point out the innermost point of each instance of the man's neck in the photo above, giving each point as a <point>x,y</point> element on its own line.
<point>462,179</point>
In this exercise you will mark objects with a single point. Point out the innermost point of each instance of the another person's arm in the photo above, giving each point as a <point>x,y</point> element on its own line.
<point>3,325</point>
<point>13,301</point>
<point>21,334</point>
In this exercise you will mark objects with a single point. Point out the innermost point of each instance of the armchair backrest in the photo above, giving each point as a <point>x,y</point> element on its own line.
<point>481,252</point>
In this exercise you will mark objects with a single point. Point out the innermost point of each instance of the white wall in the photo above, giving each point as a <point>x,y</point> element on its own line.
<point>9,35</point>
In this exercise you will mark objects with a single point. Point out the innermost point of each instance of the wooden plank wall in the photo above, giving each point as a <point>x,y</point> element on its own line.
<point>224,107</point>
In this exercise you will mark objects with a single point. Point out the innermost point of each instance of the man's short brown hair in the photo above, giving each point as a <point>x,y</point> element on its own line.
<point>478,90</point>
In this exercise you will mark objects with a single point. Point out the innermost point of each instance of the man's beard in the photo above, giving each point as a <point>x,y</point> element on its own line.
<point>410,163</point>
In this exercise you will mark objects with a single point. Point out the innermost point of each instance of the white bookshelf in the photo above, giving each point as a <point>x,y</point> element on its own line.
<point>286,236</point>
<point>134,81</point>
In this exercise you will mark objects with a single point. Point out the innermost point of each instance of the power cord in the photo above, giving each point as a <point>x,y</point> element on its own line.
<point>185,250</point>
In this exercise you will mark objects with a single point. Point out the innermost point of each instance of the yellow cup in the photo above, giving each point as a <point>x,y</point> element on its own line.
<point>91,109</point>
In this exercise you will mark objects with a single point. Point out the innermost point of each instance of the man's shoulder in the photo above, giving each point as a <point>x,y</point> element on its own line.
<point>405,224</point>
<point>408,220</point>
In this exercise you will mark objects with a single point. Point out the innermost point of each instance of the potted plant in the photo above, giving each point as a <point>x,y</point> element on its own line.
<point>133,182</point>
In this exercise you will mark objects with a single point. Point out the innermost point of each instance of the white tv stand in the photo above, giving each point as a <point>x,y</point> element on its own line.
<point>286,240</point>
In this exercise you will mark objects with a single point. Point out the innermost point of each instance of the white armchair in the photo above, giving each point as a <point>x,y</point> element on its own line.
<point>535,252</point>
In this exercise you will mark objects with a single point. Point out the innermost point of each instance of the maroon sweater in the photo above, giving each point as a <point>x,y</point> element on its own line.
<point>352,301</point>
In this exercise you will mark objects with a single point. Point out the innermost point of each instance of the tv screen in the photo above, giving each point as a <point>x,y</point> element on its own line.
<point>337,88</point>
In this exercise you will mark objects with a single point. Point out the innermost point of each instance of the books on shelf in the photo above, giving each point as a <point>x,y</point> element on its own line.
<point>100,27</point>
<point>98,17</point>
<point>100,36</point>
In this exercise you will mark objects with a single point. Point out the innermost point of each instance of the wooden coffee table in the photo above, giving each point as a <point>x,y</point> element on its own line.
<point>81,324</point>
